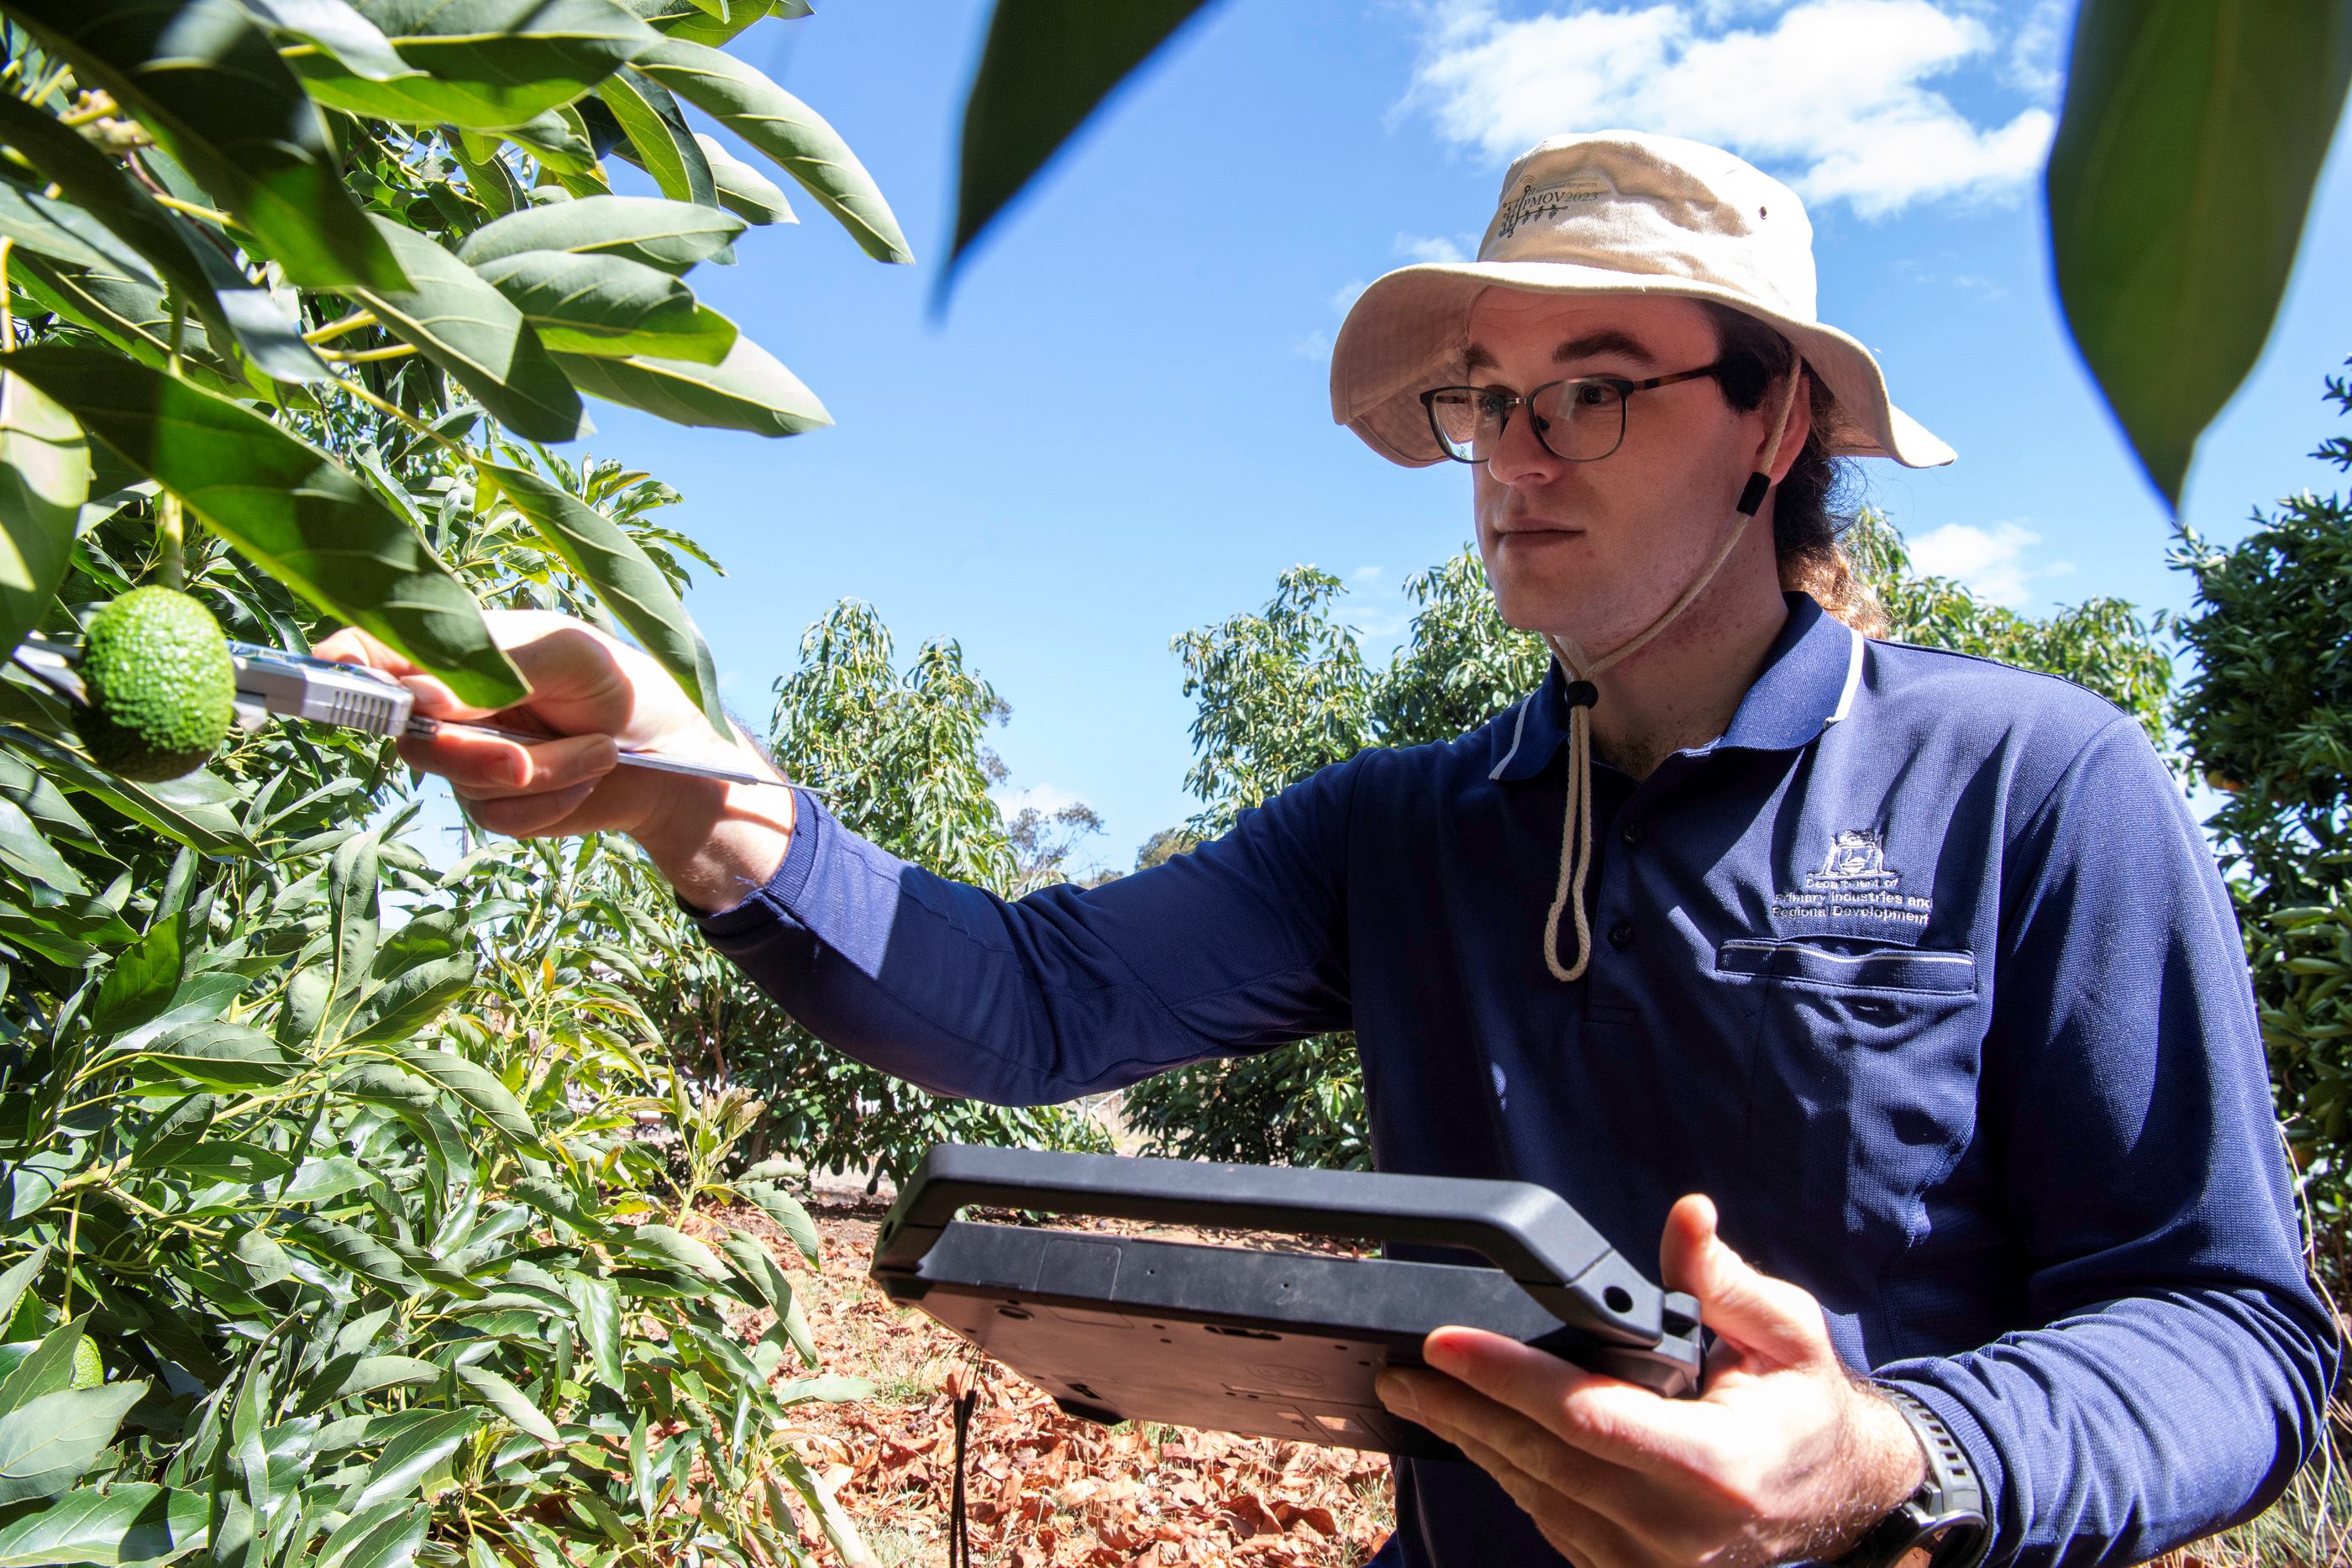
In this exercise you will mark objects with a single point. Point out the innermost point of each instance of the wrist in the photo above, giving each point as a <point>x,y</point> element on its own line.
<point>1885,1467</point>
<point>717,843</point>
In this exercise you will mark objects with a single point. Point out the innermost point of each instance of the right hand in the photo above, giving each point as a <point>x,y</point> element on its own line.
<point>592,693</point>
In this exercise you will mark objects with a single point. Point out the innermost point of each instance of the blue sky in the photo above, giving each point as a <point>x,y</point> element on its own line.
<point>1120,429</point>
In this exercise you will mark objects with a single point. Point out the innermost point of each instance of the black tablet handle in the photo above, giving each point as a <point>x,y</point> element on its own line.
<point>1528,1231</point>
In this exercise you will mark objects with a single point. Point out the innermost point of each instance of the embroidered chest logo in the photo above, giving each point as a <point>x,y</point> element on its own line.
<point>1856,891</point>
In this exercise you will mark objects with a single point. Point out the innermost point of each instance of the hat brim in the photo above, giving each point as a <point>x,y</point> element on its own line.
<point>1412,324</point>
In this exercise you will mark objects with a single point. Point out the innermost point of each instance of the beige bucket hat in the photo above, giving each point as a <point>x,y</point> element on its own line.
<point>1614,211</point>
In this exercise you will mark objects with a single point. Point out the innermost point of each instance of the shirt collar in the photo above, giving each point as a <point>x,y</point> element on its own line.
<point>1812,673</point>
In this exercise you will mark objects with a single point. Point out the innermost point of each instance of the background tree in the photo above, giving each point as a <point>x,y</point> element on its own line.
<point>2266,716</point>
<point>337,1164</point>
<point>899,756</point>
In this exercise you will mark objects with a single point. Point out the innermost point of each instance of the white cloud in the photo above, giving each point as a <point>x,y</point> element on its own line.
<point>1997,563</point>
<point>1832,94</point>
<point>1431,248</point>
<point>2037,55</point>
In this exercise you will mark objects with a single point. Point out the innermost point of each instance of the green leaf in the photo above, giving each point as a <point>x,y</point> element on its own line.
<point>748,390</point>
<point>785,129</point>
<point>354,1250</point>
<point>744,190</point>
<point>825,1388</point>
<point>2192,136</point>
<point>482,1092</point>
<point>60,230</point>
<point>670,235</point>
<point>786,1211</point>
<point>140,984</point>
<point>206,281</point>
<point>122,1526</point>
<point>658,135</point>
<point>285,504</point>
<point>46,1445</point>
<point>410,1000</point>
<point>44,480</point>
<point>174,1133</point>
<point>673,1248</point>
<point>352,909</point>
<point>24,851</point>
<point>48,1369</point>
<point>350,1376</point>
<point>608,304</point>
<point>384,1536</point>
<point>509,1402</point>
<point>353,41</point>
<point>625,579</point>
<point>19,1277</point>
<point>216,1055</point>
<point>465,326</point>
<point>408,1457</point>
<point>208,83</point>
<point>126,306</point>
<point>600,1322</point>
<point>485,65</point>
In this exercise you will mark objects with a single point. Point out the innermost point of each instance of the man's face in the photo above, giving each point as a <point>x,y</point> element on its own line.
<point>1597,551</point>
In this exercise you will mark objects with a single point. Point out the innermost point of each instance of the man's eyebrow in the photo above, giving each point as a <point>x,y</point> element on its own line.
<point>1603,342</point>
<point>1607,342</point>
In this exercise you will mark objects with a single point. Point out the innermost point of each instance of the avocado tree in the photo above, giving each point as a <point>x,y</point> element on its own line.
<point>1286,690</point>
<point>329,1227</point>
<point>2266,716</point>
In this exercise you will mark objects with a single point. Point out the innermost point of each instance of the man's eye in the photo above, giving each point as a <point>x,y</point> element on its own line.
<point>1492,405</point>
<point>1593,395</point>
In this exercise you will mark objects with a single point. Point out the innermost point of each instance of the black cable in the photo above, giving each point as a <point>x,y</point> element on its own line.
<point>959,1538</point>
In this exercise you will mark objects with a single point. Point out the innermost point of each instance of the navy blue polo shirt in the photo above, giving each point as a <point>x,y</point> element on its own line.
<point>1922,971</point>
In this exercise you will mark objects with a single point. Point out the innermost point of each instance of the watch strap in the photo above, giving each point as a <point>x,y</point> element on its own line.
<point>1949,1505</point>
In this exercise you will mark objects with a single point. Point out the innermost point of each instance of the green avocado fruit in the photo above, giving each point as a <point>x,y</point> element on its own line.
<point>162,690</point>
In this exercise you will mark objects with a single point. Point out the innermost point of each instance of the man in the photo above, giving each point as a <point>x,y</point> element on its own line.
<point>1917,967</point>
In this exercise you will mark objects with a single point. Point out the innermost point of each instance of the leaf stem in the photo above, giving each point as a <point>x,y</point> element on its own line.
<point>333,330</point>
<point>366,356</point>
<point>402,415</point>
<point>7,310</point>
<point>210,215</point>
<point>96,106</point>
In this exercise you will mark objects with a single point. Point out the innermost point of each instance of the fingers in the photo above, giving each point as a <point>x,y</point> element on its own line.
<point>1778,1323</point>
<point>1571,1495</point>
<point>1619,1422</point>
<point>482,768</point>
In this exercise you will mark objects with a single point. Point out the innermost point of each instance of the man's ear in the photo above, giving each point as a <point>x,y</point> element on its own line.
<point>1800,424</point>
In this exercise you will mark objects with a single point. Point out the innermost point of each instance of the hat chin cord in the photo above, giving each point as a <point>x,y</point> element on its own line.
<point>1576,828</point>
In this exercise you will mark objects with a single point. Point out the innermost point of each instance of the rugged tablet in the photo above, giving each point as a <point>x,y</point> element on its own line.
<point>1279,1345</point>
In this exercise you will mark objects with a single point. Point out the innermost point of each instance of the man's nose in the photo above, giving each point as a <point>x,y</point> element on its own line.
<point>1519,458</point>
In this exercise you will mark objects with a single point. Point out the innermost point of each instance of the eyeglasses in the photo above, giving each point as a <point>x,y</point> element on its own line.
<point>1580,420</point>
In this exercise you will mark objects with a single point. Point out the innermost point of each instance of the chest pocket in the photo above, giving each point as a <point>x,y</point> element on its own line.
<point>1863,1088</point>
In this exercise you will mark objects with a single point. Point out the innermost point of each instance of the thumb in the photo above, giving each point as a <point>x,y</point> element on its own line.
<point>1779,1322</point>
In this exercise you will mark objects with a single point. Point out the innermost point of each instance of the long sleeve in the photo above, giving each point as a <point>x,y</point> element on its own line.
<point>1236,946</point>
<point>2182,1374</point>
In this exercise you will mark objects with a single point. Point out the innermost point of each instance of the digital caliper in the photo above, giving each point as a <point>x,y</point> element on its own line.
<point>273,681</point>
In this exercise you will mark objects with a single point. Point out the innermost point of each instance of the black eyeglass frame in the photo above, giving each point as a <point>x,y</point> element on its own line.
<point>1624,389</point>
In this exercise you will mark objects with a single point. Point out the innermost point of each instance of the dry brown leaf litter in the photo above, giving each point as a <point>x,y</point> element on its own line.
<point>1043,1489</point>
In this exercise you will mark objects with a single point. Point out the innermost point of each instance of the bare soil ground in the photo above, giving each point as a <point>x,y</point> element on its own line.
<point>1043,1489</point>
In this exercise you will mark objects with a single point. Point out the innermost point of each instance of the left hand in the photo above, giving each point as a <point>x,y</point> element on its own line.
<point>1783,1455</point>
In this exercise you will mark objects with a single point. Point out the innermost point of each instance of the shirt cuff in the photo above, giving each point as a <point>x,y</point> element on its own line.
<point>773,900</point>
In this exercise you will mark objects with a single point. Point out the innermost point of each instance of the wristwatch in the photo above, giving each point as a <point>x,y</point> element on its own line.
<point>1941,1525</point>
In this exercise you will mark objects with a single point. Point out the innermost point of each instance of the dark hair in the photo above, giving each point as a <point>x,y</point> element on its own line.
<point>1808,515</point>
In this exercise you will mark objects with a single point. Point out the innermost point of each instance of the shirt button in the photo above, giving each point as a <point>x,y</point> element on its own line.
<point>1622,934</point>
<point>1633,831</point>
